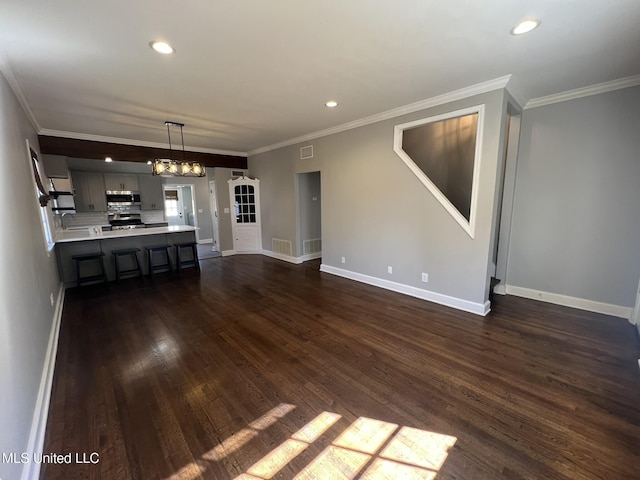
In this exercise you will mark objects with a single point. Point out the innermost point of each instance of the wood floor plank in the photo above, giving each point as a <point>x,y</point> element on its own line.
<point>201,375</point>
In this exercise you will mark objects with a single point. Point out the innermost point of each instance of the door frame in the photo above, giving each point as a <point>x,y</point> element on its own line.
<point>215,217</point>
<point>235,226</point>
<point>180,186</point>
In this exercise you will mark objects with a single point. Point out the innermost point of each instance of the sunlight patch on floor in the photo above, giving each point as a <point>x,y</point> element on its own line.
<point>381,450</point>
<point>239,439</point>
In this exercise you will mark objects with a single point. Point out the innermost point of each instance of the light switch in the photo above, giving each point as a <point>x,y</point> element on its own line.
<point>199,210</point>
<point>226,210</point>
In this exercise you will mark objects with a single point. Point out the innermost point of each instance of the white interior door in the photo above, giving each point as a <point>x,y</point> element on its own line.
<point>245,215</point>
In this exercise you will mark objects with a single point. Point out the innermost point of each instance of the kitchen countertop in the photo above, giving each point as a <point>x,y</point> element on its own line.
<point>64,236</point>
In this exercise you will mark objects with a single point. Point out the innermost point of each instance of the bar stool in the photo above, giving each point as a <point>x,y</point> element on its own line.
<point>87,257</point>
<point>180,262</point>
<point>153,267</point>
<point>131,253</point>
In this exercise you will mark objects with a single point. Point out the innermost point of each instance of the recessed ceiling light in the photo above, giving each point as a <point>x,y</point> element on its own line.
<point>525,26</point>
<point>149,162</point>
<point>108,159</point>
<point>331,103</point>
<point>161,47</point>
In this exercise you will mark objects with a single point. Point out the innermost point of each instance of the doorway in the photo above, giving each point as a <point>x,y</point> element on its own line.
<point>179,205</point>
<point>502,229</point>
<point>214,215</point>
<point>309,215</point>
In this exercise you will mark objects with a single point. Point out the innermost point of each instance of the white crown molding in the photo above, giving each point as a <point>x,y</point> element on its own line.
<point>513,88</point>
<point>604,87</point>
<point>466,92</point>
<point>567,301</point>
<point>128,141</point>
<point>453,302</point>
<point>7,71</point>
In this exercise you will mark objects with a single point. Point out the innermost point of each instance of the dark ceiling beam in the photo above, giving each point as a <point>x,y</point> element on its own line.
<point>74,148</point>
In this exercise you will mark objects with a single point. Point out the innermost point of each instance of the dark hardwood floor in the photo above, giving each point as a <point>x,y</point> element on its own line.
<point>203,375</point>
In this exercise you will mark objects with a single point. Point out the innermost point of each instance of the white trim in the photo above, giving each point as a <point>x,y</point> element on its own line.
<point>128,141</point>
<point>227,253</point>
<point>7,71</point>
<point>31,470</point>
<point>567,301</point>
<point>468,226</point>
<point>604,87</point>
<point>310,256</point>
<point>205,240</point>
<point>296,260</point>
<point>500,289</point>
<point>280,256</point>
<point>446,300</point>
<point>513,88</point>
<point>466,92</point>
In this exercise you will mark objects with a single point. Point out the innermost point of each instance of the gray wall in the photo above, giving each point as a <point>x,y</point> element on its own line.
<point>376,213</point>
<point>576,227</point>
<point>27,277</point>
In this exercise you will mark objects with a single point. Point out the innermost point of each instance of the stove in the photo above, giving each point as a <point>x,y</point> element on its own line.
<point>125,220</point>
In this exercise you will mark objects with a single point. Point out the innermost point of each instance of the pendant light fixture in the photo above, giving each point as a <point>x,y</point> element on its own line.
<point>170,167</point>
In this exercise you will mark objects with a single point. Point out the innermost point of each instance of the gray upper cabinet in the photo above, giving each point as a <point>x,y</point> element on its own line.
<point>89,191</point>
<point>121,181</point>
<point>151,192</point>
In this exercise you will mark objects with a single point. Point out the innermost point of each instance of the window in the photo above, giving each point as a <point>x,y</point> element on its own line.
<point>41,190</point>
<point>245,204</point>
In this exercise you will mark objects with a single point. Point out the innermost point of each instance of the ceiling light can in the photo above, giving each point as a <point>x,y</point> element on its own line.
<point>161,47</point>
<point>331,104</point>
<point>525,26</point>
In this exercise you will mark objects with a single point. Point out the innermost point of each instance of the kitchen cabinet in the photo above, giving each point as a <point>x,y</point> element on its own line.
<point>89,192</point>
<point>151,195</point>
<point>121,181</point>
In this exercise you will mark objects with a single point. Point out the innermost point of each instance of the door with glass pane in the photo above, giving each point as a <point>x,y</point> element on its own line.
<point>245,215</point>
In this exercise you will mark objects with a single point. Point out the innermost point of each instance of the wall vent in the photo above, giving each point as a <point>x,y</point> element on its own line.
<point>283,247</point>
<point>312,246</point>
<point>306,152</point>
<point>237,174</point>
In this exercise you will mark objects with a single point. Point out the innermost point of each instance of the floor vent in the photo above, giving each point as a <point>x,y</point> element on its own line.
<point>312,246</point>
<point>282,247</point>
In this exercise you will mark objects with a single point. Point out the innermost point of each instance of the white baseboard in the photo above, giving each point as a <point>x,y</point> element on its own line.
<point>290,259</point>
<point>457,303</point>
<point>500,289</point>
<point>280,256</point>
<point>567,301</point>
<point>205,240</point>
<point>31,470</point>
<point>227,253</point>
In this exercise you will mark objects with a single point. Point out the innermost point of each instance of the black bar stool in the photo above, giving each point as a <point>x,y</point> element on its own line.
<point>181,262</point>
<point>153,266</point>
<point>87,257</point>
<point>131,253</point>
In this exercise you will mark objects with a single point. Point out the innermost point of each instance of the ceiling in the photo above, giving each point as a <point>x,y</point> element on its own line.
<point>247,74</point>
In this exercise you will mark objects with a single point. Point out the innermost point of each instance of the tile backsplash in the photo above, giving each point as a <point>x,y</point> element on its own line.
<point>85,219</point>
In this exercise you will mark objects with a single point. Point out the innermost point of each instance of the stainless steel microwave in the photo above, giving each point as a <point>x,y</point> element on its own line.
<point>121,198</point>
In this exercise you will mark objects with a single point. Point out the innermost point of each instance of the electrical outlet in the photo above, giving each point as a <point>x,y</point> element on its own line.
<point>51,298</point>
<point>425,277</point>
<point>389,269</point>
<point>343,260</point>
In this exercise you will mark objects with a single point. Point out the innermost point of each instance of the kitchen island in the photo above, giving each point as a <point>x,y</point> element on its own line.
<point>84,241</point>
